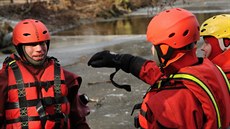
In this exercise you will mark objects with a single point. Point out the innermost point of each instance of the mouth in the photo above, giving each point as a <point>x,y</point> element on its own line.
<point>38,57</point>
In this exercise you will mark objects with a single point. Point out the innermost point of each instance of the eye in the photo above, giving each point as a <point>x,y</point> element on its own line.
<point>33,44</point>
<point>43,43</point>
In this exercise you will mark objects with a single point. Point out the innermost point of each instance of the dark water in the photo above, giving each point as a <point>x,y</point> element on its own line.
<point>121,26</point>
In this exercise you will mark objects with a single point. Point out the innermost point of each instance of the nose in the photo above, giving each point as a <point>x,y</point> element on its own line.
<point>38,47</point>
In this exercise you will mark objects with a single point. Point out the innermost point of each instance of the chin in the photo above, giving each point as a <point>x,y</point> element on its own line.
<point>38,59</point>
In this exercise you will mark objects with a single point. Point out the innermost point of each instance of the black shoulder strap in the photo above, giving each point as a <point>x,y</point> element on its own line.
<point>21,93</point>
<point>52,58</point>
<point>58,95</point>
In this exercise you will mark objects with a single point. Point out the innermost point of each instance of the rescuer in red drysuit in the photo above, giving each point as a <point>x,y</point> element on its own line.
<point>216,34</point>
<point>36,92</point>
<point>186,92</point>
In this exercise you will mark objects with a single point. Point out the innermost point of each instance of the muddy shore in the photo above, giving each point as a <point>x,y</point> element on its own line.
<point>111,107</point>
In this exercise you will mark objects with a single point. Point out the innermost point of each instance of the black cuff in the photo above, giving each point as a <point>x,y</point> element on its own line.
<point>131,64</point>
<point>136,65</point>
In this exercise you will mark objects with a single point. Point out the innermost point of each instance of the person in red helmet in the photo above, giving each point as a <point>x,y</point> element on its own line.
<point>186,92</point>
<point>216,34</point>
<point>36,92</point>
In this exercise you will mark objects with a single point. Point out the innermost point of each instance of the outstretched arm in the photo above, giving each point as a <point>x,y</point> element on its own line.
<point>146,70</point>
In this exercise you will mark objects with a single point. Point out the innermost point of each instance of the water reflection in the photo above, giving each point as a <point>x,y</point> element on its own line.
<point>122,26</point>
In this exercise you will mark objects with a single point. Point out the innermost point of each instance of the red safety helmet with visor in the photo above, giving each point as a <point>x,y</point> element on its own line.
<point>170,30</point>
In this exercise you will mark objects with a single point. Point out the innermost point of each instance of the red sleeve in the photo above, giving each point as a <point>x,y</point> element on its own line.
<point>150,72</point>
<point>3,85</point>
<point>78,110</point>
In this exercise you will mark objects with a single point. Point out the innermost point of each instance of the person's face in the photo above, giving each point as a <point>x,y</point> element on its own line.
<point>154,54</point>
<point>153,50</point>
<point>206,48</point>
<point>36,51</point>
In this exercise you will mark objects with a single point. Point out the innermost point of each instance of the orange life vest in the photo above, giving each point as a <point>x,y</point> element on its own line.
<point>216,109</point>
<point>36,103</point>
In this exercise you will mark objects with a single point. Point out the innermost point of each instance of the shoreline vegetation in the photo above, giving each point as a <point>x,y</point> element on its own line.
<point>70,12</point>
<point>61,14</point>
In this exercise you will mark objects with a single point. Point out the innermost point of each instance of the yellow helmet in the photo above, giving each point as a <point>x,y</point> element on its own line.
<point>217,26</point>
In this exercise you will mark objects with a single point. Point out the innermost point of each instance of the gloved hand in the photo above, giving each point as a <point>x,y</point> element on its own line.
<point>126,62</point>
<point>104,59</point>
<point>110,60</point>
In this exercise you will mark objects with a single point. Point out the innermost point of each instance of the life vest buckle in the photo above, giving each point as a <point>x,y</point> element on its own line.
<point>135,107</point>
<point>24,124</point>
<point>136,122</point>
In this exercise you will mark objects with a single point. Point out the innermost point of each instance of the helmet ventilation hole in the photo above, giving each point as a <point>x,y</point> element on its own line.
<point>205,24</point>
<point>203,30</point>
<point>44,32</point>
<point>26,34</point>
<point>185,33</point>
<point>214,17</point>
<point>25,22</point>
<point>171,35</point>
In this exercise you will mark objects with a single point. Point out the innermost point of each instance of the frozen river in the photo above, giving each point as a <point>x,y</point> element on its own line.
<point>111,107</point>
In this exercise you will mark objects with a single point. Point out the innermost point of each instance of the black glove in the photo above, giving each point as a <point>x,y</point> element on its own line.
<point>103,59</point>
<point>127,62</point>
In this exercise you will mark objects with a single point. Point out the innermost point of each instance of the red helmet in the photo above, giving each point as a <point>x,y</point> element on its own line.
<point>30,31</point>
<point>175,27</point>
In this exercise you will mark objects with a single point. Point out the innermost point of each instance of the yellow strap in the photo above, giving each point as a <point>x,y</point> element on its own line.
<point>12,62</point>
<point>159,84</point>
<point>206,89</point>
<point>225,77</point>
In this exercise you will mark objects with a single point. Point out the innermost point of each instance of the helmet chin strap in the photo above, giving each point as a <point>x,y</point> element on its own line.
<point>169,54</point>
<point>34,62</point>
<point>223,45</point>
<point>31,61</point>
<point>166,57</point>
